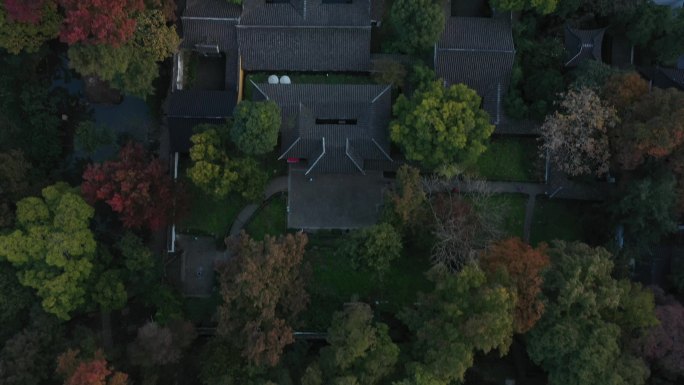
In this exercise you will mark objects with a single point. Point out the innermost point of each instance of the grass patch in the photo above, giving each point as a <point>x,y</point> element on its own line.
<point>201,310</point>
<point>270,219</point>
<point>510,159</point>
<point>305,78</point>
<point>207,215</point>
<point>558,219</point>
<point>514,213</point>
<point>335,282</point>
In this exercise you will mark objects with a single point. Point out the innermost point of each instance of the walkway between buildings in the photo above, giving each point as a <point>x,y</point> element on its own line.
<point>275,186</point>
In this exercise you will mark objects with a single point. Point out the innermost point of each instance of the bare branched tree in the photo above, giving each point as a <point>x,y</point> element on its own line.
<point>466,220</point>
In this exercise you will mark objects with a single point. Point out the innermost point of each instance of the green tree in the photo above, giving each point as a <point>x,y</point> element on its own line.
<point>15,300</point>
<point>215,173</point>
<point>14,185</point>
<point>209,169</point>
<point>592,74</point>
<point>256,126</point>
<point>406,203</point>
<point>441,127</point>
<point>359,351</point>
<point>374,248</point>
<point>657,29</point>
<point>542,6</point>
<point>90,137</point>
<point>463,314</point>
<point>24,35</point>
<point>53,248</point>
<point>251,180</point>
<point>579,338</point>
<point>28,358</point>
<point>417,25</point>
<point>647,208</point>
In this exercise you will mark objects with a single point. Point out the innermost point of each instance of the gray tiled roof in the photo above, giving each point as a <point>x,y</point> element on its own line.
<point>305,35</point>
<point>306,12</point>
<point>209,32</point>
<point>333,148</point>
<point>212,9</point>
<point>305,49</point>
<point>201,104</point>
<point>479,53</point>
<point>583,44</point>
<point>663,77</point>
<point>478,34</point>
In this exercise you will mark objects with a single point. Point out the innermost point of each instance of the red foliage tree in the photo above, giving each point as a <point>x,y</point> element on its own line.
<point>521,265</point>
<point>99,21</point>
<point>93,371</point>
<point>134,186</point>
<point>25,11</point>
<point>663,345</point>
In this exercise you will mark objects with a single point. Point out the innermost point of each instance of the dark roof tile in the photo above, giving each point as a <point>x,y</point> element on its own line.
<point>305,49</point>
<point>583,44</point>
<point>212,9</point>
<point>201,104</point>
<point>306,13</point>
<point>479,53</point>
<point>307,110</point>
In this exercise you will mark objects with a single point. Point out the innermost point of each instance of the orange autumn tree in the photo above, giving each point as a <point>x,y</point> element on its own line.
<point>519,265</point>
<point>653,127</point>
<point>624,89</point>
<point>263,291</point>
<point>94,371</point>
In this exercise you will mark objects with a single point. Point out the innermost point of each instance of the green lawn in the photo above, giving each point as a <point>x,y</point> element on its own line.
<point>514,213</point>
<point>270,219</point>
<point>305,78</point>
<point>206,215</point>
<point>558,219</point>
<point>209,216</point>
<point>510,159</point>
<point>201,309</point>
<point>335,282</point>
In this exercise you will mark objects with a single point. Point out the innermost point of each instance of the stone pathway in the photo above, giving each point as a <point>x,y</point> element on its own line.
<point>275,186</point>
<point>559,187</point>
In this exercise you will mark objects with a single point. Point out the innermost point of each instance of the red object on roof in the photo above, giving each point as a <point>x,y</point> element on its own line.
<point>292,160</point>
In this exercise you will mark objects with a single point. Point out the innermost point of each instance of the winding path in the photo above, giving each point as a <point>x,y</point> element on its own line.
<point>275,186</point>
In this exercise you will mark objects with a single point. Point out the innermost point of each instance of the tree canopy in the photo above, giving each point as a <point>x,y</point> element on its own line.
<point>417,25</point>
<point>519,266</point>
<point>359,351</point>
<point>53,248</point>
<point>99,21</point>
<point>262,287</point>
<point>441,127</point>
<point>256,126</point>
<point>137,188</point>
<point>374,248</point>
<point>541,6</point>
<point>652,128</point>
<point>217,174</point>
<point>465,313</point>
<point>26,25</point>
<point>576,136</point>
<point>579,338</point>
<point>647,208</point>
<point>131,66</point>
